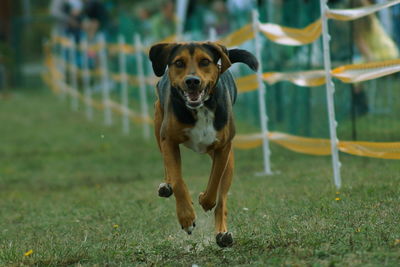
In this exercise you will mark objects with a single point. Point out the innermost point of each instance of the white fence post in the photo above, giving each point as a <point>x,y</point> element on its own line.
<point>105,80</point>
<point>142,85</point>
<point>124,84</point>
<point>53,41</point>
<point>181,9</point>
<point>212,34</point>
<point>261,97</point>
<point>86,79</point>
<point>330,90</point>
<point>73,75</point>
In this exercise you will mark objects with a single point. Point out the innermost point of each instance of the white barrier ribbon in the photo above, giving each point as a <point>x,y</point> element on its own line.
<point>367,71</point>
<point>291,36</point>
<point>238,37</point>
<point>355,13</point>
<point>301,78</point>
<point>319,146</point>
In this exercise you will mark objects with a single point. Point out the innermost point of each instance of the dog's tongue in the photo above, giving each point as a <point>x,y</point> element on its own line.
<point>193,96</point>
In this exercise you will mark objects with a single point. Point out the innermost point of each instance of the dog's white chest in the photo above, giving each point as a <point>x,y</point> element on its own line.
<point>203,133</point>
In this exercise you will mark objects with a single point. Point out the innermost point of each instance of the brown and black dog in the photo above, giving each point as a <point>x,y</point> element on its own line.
<point>194,108</point>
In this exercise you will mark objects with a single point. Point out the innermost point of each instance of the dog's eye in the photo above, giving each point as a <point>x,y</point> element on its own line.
<point>204,62</point>
<point>179,63</point>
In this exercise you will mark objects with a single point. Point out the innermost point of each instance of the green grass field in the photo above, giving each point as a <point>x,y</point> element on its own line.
<point>79,193</point>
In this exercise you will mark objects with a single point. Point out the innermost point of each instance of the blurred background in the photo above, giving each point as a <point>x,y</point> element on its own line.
<point>362,109</point>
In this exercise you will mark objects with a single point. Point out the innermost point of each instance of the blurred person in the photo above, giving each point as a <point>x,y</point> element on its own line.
<point>371,39</point>
<point>95,18</point>
<point>129,25</point>
<point>217,18</point>
<point>194,22</point>
<point>94,22</point>
<point>373,44</point>
<point>142,22</point>
<point>164,22</point>
<point>68,16</point>
<point>396,24</point>
<point>240,11</point>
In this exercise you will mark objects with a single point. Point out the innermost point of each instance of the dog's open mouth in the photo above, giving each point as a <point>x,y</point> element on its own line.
<point>194,99</point>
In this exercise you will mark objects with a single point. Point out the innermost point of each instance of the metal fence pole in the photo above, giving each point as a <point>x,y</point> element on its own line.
<point>124,84</point>
<point>212,34</point>
<point>62,65</point>
<point>330,90</point>
<point>105,80</point>
<point>73,75</point>
<point>142,85</point>
<point>86,79</point>
<point>261,97</point>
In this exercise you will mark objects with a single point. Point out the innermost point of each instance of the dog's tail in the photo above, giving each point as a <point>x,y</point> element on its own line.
<point>243,56</point>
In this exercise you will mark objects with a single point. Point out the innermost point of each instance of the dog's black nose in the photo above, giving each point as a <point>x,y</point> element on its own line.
<point>192,81</point>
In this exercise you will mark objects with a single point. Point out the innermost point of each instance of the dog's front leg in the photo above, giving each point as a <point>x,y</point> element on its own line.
<point>173,172</point>
<point>220,164</point>
<point>219,183</point>
<point>224,238</point>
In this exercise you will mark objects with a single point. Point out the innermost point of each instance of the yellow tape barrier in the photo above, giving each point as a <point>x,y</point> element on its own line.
<point>355,13</point>
<point>117,48</point>
<point>349,74</point>
<point>116,107</point>
<point>292,36</point>
<point>321,147</point>
<point>295,36</point>
<point>247,83</point>
<point>353,73</point>
<point>169,39</point>
<point>383,150</point>
<point>239,37</point>
<point>134,80</point>
<point>112,48</point>
<point>309,78</point>
<point>312,146</point>
<point>363,72</point>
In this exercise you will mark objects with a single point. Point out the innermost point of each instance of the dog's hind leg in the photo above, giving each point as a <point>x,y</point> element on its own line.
<point>184,206</point>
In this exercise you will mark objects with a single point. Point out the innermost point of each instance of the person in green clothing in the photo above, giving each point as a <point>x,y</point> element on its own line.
<point>374,44</point>
<point>164,22</point>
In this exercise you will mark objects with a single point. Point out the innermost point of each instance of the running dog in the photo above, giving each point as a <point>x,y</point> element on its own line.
<point>196,93</point>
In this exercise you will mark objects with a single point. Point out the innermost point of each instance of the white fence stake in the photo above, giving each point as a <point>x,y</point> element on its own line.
<point>73,74</point>
<point>64,71</point>
<point>124,84</point>
<point>212,34</point>
<point>181,9</point>
<point>105,80</point>
<point>86,79</point>
<point>261,97</point>
<point>330,90</point>
<point>55,54</point>
<point>142,85</point>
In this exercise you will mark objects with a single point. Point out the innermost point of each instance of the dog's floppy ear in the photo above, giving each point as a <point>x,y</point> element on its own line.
<point>159,55</point>
<point>220,52</point>
<point>243,56</point>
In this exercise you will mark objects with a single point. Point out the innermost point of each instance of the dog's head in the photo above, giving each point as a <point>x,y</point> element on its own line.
<point>192,67</point>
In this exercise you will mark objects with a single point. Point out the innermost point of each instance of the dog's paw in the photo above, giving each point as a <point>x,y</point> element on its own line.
<point>186,216</point>
<point>224,239</point>
<point>205,202</point>
<point>164,190</point>
<point>189,229</point>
